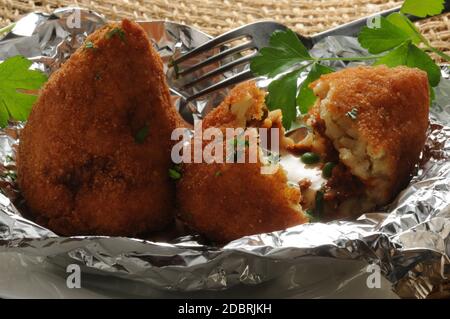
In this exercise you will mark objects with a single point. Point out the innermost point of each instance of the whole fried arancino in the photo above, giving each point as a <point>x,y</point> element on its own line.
<point>95,152</point>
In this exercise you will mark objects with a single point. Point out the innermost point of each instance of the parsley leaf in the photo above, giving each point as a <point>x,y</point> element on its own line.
<point>399,35</point>
<point>403,23</point>
<point>285,50</point>
<point>423,8</point>
<point>289,42</point>
<point>410,55</point>
<point>15,78</point>
<point>393,43</point>
<point>419,59</point>
<point>282,94</point>
<point>395,57</point>
<point>432,95</point>
<point>306,97</point>
<point>386,37</point>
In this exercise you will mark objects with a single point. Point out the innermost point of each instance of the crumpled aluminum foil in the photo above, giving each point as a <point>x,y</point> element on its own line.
<point>409,240</point>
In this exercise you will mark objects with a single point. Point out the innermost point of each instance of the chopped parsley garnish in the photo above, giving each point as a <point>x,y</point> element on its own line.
<point>240,141</point>
<point>218,173</point>
<point>141,134</point>
<point>353,114</point>
<point>175,172</point>
<point>116,32</point>
<point>395,42</point>
<point>273,158</point>
<point>235,142</point>
<point>16,78</point>
<point>238,144</point>
<point>89,45</point>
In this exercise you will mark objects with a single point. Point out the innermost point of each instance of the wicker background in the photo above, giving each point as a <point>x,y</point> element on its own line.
<point>217,16</point>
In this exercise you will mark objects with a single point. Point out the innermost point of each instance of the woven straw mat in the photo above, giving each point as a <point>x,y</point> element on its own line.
<point>217,16</point>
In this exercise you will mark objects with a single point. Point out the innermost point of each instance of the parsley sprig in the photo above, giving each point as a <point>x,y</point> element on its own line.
<point>16,82</point>
<point>396,41</point>
<point>286,53</point>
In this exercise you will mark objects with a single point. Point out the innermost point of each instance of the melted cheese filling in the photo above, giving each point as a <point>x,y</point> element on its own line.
<point>296,171</point>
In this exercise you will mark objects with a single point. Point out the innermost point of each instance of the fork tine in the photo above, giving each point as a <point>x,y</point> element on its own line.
<point>258,36</point>
<point>233,34</point>
<point>240,77</point>
<point>217,57</point>
<point>219,70</point>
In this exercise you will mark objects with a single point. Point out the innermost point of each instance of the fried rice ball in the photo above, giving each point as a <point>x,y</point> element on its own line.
<point>376,119</point>
<point>243,107</point>
<point>94,155</point>
<point>225,201</point>
<point>369,123</point>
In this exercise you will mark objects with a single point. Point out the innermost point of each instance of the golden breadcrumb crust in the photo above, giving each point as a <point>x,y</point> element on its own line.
<point>81,167</point>
<point>225,201</point>
<point>223,116</point>
<point>377,118</point>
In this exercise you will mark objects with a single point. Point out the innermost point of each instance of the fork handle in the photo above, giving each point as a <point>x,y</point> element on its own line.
<point>353,28</point>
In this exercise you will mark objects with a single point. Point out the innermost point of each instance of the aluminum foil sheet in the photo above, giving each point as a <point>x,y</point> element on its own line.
<point>409,239</point>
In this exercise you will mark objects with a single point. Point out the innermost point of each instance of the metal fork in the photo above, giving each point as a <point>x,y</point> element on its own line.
<point>258,35</point>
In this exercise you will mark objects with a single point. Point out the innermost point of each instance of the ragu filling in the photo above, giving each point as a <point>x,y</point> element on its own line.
<point>323,196</point>
<point>320,194</point>
<point>342,184</point>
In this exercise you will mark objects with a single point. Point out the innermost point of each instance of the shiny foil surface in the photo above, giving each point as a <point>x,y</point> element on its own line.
<point>409,239</point>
